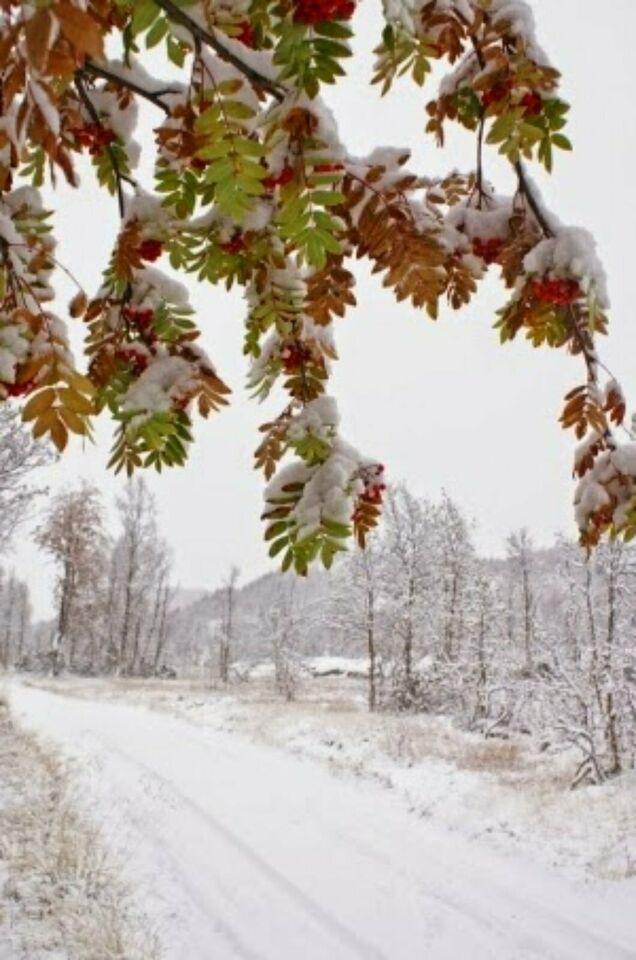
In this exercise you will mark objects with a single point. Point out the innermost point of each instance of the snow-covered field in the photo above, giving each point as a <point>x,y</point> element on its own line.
<point>242,843</point>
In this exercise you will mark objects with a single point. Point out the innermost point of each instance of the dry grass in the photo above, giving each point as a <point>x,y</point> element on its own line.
<point>62,891</point>
<point>408,739</point>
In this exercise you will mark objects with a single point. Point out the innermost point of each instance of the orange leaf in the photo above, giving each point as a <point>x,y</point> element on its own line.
<point>81,30</point>
<point>37,32</point>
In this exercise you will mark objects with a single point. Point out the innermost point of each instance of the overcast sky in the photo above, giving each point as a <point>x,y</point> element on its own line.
<point>441,404</point>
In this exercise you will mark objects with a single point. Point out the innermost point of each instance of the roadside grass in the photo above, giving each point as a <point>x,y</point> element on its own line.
<point>61,896</point>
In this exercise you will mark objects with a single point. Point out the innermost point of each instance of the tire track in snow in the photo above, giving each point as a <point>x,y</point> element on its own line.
<point>331,925</point>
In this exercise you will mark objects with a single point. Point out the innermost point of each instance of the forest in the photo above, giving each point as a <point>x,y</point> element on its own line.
<point>536,642</point>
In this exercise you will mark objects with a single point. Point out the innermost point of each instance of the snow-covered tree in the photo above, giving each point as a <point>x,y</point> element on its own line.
<point>455,552</point>
<point>255,186</point>
<point>280,625</point>
<point>139,587</point>
<point>15,620</point>
<point>20,454</point>
<point>409,571</point>
<point>73,534</point>
<point>226,633</point>
<point>356,612</point>
<point>520,554</point>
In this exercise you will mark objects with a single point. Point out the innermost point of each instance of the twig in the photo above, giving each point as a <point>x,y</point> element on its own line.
<point>526,191</point>
<point>175,13</point>
<point>153,96</point>
<point>119,175</point>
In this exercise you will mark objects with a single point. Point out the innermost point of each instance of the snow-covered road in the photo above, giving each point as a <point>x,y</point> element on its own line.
<point>241,851</point>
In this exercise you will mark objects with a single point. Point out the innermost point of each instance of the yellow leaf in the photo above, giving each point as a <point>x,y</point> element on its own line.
<point>59,434</point>
<point>81,383</point>
<point>75,401</point>
<point>43,423</point>
<point>73,421</point>
<point>38,404</point>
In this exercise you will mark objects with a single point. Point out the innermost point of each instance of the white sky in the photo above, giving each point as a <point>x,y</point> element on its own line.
<point>441,404</point>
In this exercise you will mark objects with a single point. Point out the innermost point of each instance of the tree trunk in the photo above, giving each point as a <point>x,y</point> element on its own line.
<point>611,719</point>
<point>371,649</point>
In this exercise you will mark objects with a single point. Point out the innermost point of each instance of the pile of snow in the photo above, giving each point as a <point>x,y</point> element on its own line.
<point>338,667</point>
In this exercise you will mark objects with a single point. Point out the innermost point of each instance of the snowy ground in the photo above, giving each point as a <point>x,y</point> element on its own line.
<point>61,896</point>
<point>510,794</point>
<point>240,849</point>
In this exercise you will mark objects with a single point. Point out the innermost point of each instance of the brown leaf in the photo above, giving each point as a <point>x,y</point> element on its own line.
<point>77,306</point>
<point>59,434</point>
<point>81,30</point>
<point>37,32</point>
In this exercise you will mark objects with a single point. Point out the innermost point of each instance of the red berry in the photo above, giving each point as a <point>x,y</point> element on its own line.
<point>150,249</point>
<point>327,167</point>
<point>317,11</point>
<point>246,33</point>
<point>559,291</point>
<point>82,137</point>
<point>19,389</point>
<point>293,356</point>
<point>138,317</point>
<point>532,103</point>
<point>488,250</point>
<point>497,93</point>
<point>138,361</point>
<point>95,136</point>
<point>197,163</point>
<point>278,179</point>
<point>235,245</point>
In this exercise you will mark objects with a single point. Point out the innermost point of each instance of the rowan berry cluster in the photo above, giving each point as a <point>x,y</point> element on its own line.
<point>559,291</point>
<point>95,136</point>
<point>246,33</point>
<point>235,245</point>
<point>531,101</point>
<point>281,179</point>
<point>150,250</point>
<point>18,389</point>
<point>375,486</point>
<point>134,358</point>
<point>488,250</point>
<point>497,93</point>
<point>318,11</point>
<point>294,355</point>
<point>139,317</point>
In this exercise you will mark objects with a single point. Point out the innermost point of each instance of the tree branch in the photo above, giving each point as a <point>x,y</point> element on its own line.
<point>175,13</point>
<point>153,96</point>
<point>524,187</point>
<point>119,176</point>
<point>526,191</point>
